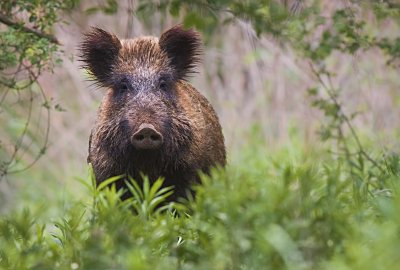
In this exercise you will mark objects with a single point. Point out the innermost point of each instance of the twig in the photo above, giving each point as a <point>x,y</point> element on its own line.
<point>47,132</point>
<point>328,90</point>
<point>17,25</point>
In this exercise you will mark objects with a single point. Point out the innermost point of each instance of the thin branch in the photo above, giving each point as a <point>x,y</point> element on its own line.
<point>19,141</point>
<point>47,132</point>
<point>331,95</point>
<point>17,25</point>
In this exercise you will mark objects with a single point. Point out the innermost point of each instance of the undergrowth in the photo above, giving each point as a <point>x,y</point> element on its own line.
<point>281,210</point>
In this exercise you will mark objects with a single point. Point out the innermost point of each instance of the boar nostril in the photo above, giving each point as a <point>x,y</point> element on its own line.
<point>147,137</point>
<point>155,137</point>
<point>139,137</point>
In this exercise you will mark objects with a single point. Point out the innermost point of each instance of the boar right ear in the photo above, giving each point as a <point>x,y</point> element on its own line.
<point>99,52</point>
<point>183,48</point>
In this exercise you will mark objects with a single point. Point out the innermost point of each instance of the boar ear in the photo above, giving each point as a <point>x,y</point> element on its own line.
<point>99,52</point>
<point>183,47</point>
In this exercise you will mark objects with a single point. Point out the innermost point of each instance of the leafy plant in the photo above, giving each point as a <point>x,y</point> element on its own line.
<point>148,199</point>
<point>276,210</point>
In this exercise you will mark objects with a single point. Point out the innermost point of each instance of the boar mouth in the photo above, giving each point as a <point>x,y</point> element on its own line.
<point>147,137</point>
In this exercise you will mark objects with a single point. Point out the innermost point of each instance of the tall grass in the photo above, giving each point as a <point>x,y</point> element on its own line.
<point>292,208</point>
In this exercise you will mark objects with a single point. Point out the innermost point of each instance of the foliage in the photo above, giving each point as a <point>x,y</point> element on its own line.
<point>277,211</point>
<point>27,49</point>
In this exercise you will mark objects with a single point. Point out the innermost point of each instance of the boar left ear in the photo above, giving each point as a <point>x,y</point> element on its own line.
<point>183,47</point>
<point>99,52</point>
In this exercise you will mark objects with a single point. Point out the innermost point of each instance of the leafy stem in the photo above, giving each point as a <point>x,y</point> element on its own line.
<point>329,89</point>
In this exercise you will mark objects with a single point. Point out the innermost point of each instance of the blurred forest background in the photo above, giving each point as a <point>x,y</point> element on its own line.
<point>307,93</point>
<point>256,71</point>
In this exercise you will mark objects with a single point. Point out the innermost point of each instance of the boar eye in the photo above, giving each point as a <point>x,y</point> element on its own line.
<point>163,85</point>
<point>123,86</point>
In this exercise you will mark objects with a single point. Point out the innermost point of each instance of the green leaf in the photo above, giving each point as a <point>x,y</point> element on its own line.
<point>109,181</point>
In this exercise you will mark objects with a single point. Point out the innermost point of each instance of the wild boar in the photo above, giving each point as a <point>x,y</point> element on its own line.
<point>151,120</point>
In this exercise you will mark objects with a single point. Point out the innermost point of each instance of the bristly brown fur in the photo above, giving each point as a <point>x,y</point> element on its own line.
<point>142,55</point>
<point>99,52</point>
<point>183,47</point>
<point>103,53</point>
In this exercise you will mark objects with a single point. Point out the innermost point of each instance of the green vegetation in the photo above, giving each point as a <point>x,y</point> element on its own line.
<point>332,204</point>
<point>291,209</point>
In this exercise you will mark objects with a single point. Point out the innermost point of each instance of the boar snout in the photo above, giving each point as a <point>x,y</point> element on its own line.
<point>147,137</point>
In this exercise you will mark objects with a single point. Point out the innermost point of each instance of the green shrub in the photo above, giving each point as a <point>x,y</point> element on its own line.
<point>284,210</point>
